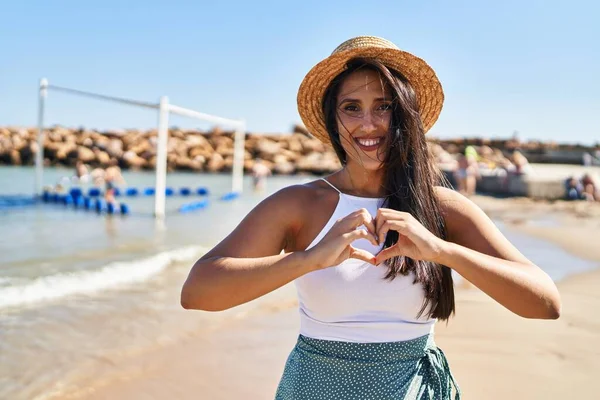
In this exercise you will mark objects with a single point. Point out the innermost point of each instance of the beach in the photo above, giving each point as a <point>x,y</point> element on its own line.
<point>136,138</point>
<point>493,353</point>
<point>93,312</point>
<point>497,355</point>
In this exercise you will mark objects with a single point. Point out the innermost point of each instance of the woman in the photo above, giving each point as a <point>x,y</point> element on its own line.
<point>372,256</point>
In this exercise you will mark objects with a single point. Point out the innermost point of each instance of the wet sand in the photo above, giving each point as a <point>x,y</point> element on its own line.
<point>493,353</point>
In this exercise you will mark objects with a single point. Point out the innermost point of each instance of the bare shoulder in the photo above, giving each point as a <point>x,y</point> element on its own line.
<point>305,209</point>
<point>459,212</point>
<point>271,226</point>
<point>293,200</point>
<point>453,202</point>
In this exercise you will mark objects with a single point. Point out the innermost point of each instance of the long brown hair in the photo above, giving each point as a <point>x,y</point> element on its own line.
<point>409,179</point>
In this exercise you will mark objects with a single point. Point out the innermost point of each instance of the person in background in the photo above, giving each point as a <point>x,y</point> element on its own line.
<point>97,176</point>
<point>59,188</point>
<point>259,175</point>
<point>590,190</point>
<point>467,172</point>
<point>112,177</point>
<point>574,189</point>
<point>522,166</point>
<point>82,173</point>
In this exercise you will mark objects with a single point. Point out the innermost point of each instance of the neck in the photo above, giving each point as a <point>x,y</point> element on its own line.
<point>355,180</point>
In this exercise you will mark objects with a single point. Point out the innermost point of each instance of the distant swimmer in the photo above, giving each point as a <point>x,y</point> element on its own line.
<point>112,177</point>
<point>82,173</point>
<point>259,174</point>
<point>97,176</point>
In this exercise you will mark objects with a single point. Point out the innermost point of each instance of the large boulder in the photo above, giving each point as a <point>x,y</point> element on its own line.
<point>132,160</point>
<point>102,158</point>
<point>284,168</point>
<point>215,163</point>
<point>267,149</point>
<point>318,163</point>
<point>86,155</point>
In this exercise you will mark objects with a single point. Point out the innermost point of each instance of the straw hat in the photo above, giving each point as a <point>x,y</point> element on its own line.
<point>421,76</point>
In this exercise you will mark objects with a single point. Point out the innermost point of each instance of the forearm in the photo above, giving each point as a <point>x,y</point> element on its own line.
<point>220,283</point>
<point>520,287</point>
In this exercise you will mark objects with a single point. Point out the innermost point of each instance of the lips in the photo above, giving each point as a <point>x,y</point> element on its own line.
<point>368,143</point>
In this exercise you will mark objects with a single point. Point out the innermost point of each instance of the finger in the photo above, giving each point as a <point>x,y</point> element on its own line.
<point>349,220</point>
<point>356,219</point>
<point>362,255</point>
<point>386,254</point>
<point>393,214</point>
<point>367,221</point>
<point>356,234</point>
<point>384,214</point>
<point>390,225</point>
<point>379,219</point>
<point>361,217</point>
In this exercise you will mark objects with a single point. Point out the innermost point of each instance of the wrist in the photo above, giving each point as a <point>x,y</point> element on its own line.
<point>309,263</point>
<point>445,252</point>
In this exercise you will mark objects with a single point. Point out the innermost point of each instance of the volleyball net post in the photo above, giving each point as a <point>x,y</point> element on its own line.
<point>164,110</point>
<point>39,155</point>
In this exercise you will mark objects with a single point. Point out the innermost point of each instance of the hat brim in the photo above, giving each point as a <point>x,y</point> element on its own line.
<point>430,96</point>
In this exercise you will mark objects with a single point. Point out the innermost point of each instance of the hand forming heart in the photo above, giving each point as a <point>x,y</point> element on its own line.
<point>414,241</point>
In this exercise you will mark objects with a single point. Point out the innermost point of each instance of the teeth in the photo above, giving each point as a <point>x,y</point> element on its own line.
<point>369,142</point>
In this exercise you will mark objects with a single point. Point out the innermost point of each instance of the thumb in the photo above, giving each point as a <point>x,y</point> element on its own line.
<point>386,254</point>
<point>362,255</point>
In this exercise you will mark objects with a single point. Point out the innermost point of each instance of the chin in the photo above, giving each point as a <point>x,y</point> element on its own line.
<point>371,166</point>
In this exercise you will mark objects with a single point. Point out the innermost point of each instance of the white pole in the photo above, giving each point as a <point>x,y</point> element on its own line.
<point>39,155</point>
<point>206,117</point>
<point>237,184</point>
<point>161,158</point>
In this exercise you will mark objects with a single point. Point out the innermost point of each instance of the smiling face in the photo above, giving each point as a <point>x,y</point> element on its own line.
<point>364,112</point>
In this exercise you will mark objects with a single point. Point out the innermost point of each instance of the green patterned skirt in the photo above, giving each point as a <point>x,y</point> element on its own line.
<point>329,370</point>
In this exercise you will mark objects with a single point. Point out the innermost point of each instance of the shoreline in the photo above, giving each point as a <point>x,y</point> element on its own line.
<point>505,357</point>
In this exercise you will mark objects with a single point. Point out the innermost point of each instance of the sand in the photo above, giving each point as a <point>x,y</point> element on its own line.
<point>493,353</point>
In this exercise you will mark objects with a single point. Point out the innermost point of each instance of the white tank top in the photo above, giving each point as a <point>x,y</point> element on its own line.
<point>352,302</point>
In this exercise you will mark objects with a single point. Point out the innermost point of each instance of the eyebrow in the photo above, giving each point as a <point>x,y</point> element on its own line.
<point>358,101</point>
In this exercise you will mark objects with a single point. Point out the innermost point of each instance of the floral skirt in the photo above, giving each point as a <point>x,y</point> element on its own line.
<point>326,369</point>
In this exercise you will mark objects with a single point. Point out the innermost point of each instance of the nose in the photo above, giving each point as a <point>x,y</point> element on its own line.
<point>368,123</point>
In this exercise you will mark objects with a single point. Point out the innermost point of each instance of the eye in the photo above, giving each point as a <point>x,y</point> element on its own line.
<point>383,109</point>
<point>351,108</point>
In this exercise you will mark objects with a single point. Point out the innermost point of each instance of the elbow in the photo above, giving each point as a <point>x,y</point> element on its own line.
<point>201,291</point>
<point>548,309</point>
<point>550,312</point>
<point>193,293</point>
<point>553,304</point>
<point>554,308</point>
<point>193,299</point>
<point>550,303</point>
<point>554,314</point>
<point>195,302</point>
<point>187,300</point>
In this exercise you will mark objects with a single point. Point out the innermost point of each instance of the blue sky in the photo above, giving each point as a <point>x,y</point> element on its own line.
<point>530,66</point>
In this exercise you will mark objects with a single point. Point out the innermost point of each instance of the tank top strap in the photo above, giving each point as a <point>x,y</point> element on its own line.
<point>329,183</point>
